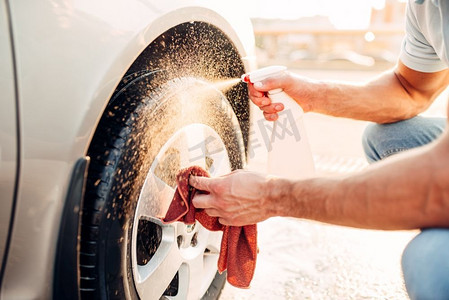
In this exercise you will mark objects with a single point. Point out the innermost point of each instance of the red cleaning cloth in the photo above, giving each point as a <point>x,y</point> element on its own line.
<point>238,245</point>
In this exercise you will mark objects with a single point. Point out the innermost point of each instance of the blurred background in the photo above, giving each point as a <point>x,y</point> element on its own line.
<point>347,40</point>
<point>347,34</point>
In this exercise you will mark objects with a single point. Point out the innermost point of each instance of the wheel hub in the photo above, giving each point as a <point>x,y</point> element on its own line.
<point>180,260</point>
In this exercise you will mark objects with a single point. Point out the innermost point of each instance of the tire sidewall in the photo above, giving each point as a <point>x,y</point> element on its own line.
<point>149,124</point>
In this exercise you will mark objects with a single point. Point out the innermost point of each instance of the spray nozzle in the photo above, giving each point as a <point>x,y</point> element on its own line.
<point>262,74</point>
<point>245,78</point>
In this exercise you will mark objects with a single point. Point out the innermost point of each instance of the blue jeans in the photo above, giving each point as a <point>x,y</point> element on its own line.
<point>425,261</point>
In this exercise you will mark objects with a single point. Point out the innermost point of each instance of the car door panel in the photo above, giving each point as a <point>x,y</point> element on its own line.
<point>8,130</point>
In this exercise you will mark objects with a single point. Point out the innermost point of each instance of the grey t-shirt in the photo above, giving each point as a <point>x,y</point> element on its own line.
<point>426,41</point>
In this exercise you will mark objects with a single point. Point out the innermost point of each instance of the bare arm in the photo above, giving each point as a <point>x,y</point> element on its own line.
<point>403,192</point>
<point>395,95</point>
<point>410,190</point>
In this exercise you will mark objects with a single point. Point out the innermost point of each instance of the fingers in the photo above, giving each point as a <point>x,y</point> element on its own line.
<point>273,108</point>
<point>233,222</point>
<point>258,98</point>
<point>271,83</point>
<point>212,212</point>
<point>271,112</point>
<point>206,202</point>
<point>200,183</point>
<point>220,202</point>
<point>225,222</point>
<point>270,117</point>
<point>202,201</point>
<point>268,108</point>
<point>255,92</point>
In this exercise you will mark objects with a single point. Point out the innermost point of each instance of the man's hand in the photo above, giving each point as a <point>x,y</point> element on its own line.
<point>239,198</point>
<point>293,85</point>
<point>270,110</point>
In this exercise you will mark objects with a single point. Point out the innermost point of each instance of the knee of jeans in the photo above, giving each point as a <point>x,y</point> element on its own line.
<point>410,266</point>
<point>425,267</point>
<point>371,136</point>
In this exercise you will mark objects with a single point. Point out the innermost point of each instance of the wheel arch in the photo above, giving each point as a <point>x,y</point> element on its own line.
<point>236,29</point>
<point>186,19</point>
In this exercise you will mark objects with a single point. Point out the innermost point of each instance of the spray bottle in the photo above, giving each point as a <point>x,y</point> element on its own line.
<point>289,152</point>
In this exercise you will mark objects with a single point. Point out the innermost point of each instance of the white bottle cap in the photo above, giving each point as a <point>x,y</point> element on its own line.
<point>262,74</point>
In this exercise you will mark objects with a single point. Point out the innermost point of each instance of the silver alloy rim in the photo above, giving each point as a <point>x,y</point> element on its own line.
<point>190,251</point>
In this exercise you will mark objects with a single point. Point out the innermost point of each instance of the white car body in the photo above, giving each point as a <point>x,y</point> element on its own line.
<point>60,62</point>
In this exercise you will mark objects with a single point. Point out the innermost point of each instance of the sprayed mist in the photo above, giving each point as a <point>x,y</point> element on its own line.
<point>190,74</point>
<point>226,84</point>
<point>192,63</point>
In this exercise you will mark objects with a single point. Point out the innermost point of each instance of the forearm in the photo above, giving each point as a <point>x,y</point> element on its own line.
<point>404,192</point>
<point>395,95</point>
<point>382,100</point>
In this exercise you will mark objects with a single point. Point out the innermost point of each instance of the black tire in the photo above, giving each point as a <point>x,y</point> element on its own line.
<point>136,125</point>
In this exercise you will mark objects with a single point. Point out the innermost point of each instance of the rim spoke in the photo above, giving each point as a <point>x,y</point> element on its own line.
<point>156,276</point>
<point>221,164</point>
<point>213,242</point>
<point>155,198</point>
<point>192,282</point>
<point>210,241</point>
<point>183,288</point>
<point>194,141</point>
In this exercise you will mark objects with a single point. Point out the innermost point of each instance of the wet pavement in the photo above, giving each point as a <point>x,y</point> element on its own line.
<point>307,260</point>
<point>301,259</point>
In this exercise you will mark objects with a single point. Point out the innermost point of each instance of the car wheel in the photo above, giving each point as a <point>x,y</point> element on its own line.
<point>146,135</point>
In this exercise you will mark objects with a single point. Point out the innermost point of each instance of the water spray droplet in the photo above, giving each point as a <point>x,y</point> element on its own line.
<point>224,85</point>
